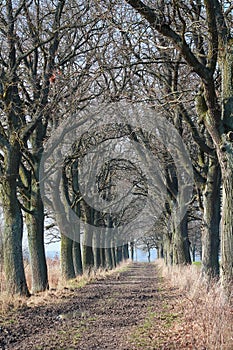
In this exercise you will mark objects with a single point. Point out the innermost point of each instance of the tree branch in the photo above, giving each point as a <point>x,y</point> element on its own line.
<point>159,24</point>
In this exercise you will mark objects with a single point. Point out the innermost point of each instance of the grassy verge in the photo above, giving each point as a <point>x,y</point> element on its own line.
<point>207,315</point>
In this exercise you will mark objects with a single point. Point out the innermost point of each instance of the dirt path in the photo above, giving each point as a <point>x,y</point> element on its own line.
<point>104,314</point>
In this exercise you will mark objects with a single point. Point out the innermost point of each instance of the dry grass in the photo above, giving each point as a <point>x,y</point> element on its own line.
<point>205,316</point>
<point>54,278</point>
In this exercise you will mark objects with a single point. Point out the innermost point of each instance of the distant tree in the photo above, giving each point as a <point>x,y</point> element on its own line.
<point>148,242</point>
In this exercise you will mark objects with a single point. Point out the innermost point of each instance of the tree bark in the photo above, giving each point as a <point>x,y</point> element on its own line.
<point>193,253</point>
<point>102,257</point>
<point>65,227</point>
<point>87,249</point>
<point>35,229</point>
<point>211,221</point>
<point>180,242</point>
<point>96,250</point>
<point>77,253</point>
<point>67,266</point>
<point>114,258</point>
<point>132,251</point>
<point>108,258</point>
<point>168,251</point>
<point>225,156</point>
<point>227,225</point>
<point>160,251</point>
<point>13,228</point>
<point>148,251</point>
<point>126,251</point>
<point>119,254</point>
<point>88,258</point>
<point>77,258</point>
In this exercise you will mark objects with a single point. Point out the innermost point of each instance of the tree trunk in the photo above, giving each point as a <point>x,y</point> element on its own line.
<point>77,258</point>
<point>114,258</point>
<point>180,241</point>
<point>108,258</point>
<point>193,253</point>
<point>119,254</point>
<point>12,238</point>
<point>76,247</point>
<point>35,229</point>
<point>87,256</point>
<point>102,257</point>
<point>132,251</point>
<point>96,249</point>
<point>126,251</point>
<point>227,226</point>
<point>67,266</point>
<point>102,251</point>
<point>67,263</point>
<point>160,254</point>
<point>168,251</point>
<point>225,155</point>
<point>148,251</point>
<point>211,221</point>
